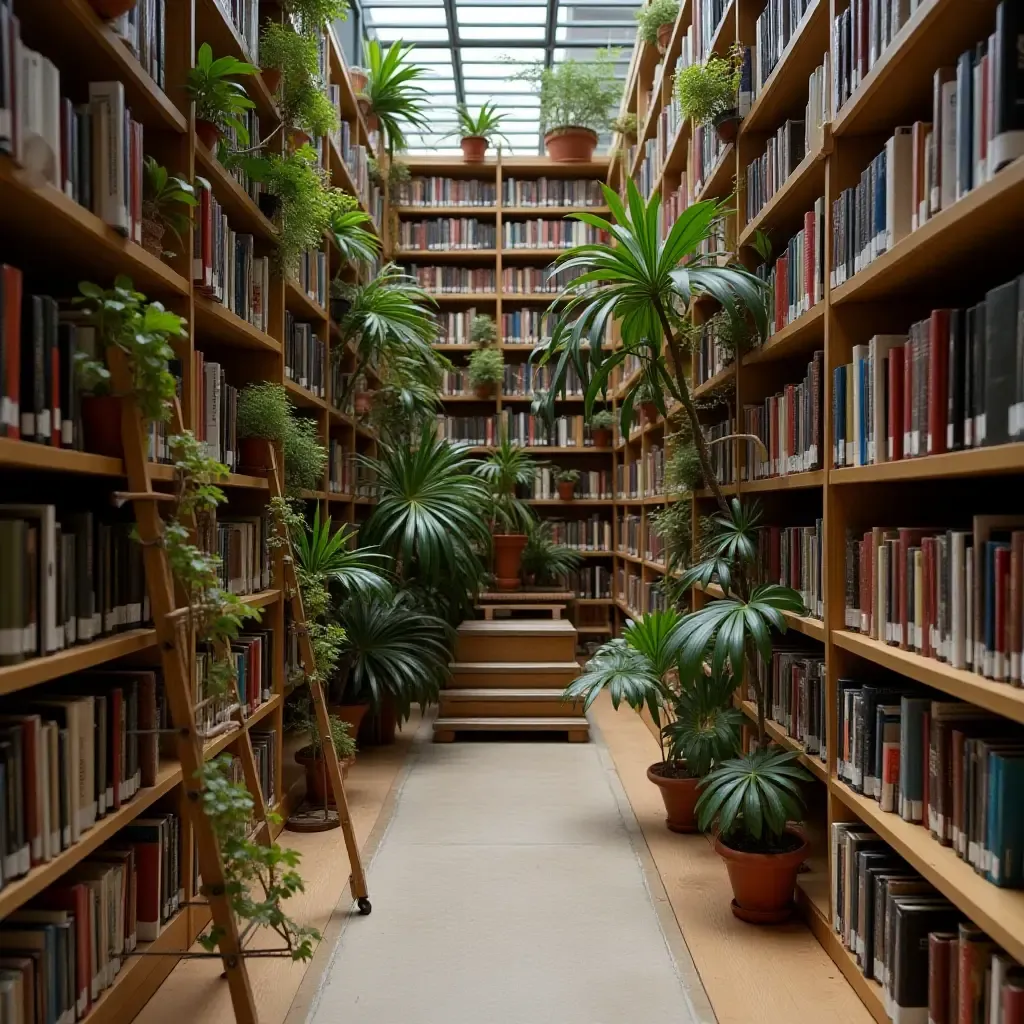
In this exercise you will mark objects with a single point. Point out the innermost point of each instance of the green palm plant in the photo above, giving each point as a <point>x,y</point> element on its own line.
<point>394,649</point>
<point>355,243</point>
<point>408,399</point>
<point>430,515</point>
<point>325,556</point>
<point>505,470</point>
<point>544,559</point>
<point>392,92</point>
<point>484,124</point>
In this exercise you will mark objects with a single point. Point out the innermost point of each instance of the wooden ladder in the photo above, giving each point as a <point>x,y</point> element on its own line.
<point>175,660</point>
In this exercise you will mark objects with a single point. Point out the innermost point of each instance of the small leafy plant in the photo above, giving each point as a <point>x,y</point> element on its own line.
<point>484,124</point>
<point>218,97</point>
<point>313,15</point>
<point>163,195</point>
<point>626,125</point>
<point>653,16</point>
<point>575,94</point>
<point>305,458</point>
<point>483,330</point>
<point>341,732</point>
<point>263,411</point>
<point>708,91</point>
<point>567,476</point>
<point>544,560</point>
<point>505,470</point>
<point>486,368</point>
<point>603,419</point>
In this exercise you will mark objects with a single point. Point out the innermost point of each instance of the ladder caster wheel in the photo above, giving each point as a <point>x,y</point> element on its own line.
<point>364,906</point>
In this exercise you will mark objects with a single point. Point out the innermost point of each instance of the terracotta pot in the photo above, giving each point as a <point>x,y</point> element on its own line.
<point>318,786</point>
<point>112,8</point>
<point>508,553</point>
<point>364,403</point>
<point>353,714</point>
<point>602,436</point>
<point>664,36</point>
<point>372,122</point>
<point>566,489</point>
<point>474,148</point>
<point>153,236</point>
<point>358,78</point>
<point>271,78</point>
<point>209,134</point>
<point>763,883</point>
<point>728,125</point>
<point>297,139</point>
<point>378,728</point>
<point>484,391</point>
<point>571,145</point>
<point>680,797</point>
<point>101,425</point>
<point>649,412</point>
<point>254,454</point>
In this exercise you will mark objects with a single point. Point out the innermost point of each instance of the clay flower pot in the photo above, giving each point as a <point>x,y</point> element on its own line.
<point>297,139</point>
<point>153,236</point>
<point>571,145</point>
<point>271,78</point>
<point>678,793</point>
<point>101,425</point>
<point>727,125</point>
<point>474,148</point>
<point>484,391</point>
<point>209,134</point>
<point>358,78</point>
<point>763,883</point>
<point>318,784</point>
<point>508,553</point>
<point>378,728</point>
<point>254,454</point>
<point>649,412</point>
<point>664,36</point>
<point>112,8</point>
<point>566,489</point>
<point>352,714</point>
<point>372,122</point>
<point>602,437</point>
<point>364,403</point>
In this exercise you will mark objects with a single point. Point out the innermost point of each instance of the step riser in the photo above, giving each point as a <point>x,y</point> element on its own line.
<point>480,680</point>
<point>520,649</point>
<point>507,708</point>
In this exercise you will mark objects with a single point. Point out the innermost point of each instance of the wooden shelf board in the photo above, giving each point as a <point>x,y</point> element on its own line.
<point>1003,458</point>
<point>999,912</point>
<point>302,396</point>
<point>719,181</point>
<point>300,304</point>
<point>627,557</point>
<point>1002,698</point>
<point>267,708</point>
<point>789,482</point>
<point>600,630</point>
<point>552,211</point>
<point>780,736</point>
<point>243,213</point>
<point>792,199</point>
<point>464,296</point>
<point>215,322</point>
<point>713,382</point>
<point>594,600</point>
<point>28,455</point>
<point>973,225</point>
<point>578,502</point>
<point>531,166</point>
<point>677,155</point>
<point>785,91</point>
<point>720,37</point>
<point>45,221</point>
<point>655,566</point>
<point>445,211</point>
<point>261,598</point>
<point>869,991</point>
<point>624,607</point>
<point>420,255</point>
<point>536,253</point>
<point>802,335</point>
<point>74,659</point>
<point>17,891</point>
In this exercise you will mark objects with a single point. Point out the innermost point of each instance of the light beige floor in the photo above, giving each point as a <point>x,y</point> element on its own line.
<point>507,890</point>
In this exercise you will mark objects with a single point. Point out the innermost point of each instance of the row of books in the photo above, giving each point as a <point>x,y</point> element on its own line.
<point>561,432</point>
<point>548,234</point>
<point>591,534</point>
<point>244,554</point>
<point>339,468</point>
<point>537,280</point>
<point>528,378</point>
<point>790,424</point>
<point>526,326</point>
<point>670,120</point>
<point>931,962</point>
<point>434,190</point>
<point>453,280</point>
<point>797,277</point>
<point>551,192</point>
<point>707,17</point>
<point>244,15</point>
<point>71,753</point>
<point>629,534</point>
<point>776,25</point>
<point>712,356</point>
<point>792,557</point>
<point>953,595</point>
<point>252,658</point>
<point>225,266</point>
<point>217,411</point>
<point>64,950</point>
<point>591,583</point>
<point>305,356</point>
<point>784,152</point>
<point>656,547</point>
<point>67,578</point>
<point>142,29</point>
<point>447,233</point>
<point>250,120</point>
<point>311,276</point>
<point>593,483</point>
<point>264,749</point>
<point>951,383</point>
<point>454,326</point>
<point>708,151</point>
<point>793,682</point>
<point>642,478</point>
<point>948,766</point>
<point>723,458</point>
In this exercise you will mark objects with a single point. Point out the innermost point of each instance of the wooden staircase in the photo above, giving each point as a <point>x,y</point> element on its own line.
<point>508,676</point>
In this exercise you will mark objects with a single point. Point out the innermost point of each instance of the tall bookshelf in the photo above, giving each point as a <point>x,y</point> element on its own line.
<point>592,615</point>
<point>950,260</point>
<point>38,222</point>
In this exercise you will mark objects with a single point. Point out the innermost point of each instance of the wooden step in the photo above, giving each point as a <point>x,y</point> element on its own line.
<point>446,728</point>
<point>521,703</point>
<point>516,640</point>
<point>503,674</point>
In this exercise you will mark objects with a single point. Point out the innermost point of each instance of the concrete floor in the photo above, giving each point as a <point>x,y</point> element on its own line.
<point>510,888</point>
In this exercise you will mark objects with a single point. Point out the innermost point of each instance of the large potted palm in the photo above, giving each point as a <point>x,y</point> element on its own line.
<point>393,96</point>
<point>505,470</point>
<point>545,562</point>
<point>649,285</point>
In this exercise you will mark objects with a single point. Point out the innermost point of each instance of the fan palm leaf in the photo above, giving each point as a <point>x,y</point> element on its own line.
<point>326,555</point>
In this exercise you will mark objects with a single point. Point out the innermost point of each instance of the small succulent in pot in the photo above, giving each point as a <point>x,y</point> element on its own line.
<point>601,428</point>
<point>162,196</point>
<point>477,131</point>
<point>486,371</point>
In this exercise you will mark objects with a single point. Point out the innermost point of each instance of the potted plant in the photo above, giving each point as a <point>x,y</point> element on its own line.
<point>356,244</point>
<point>363,397</point>
<point>358,77</point>
<point>219,99</point>
<point>576,98</point>
<point>162,193</point>
<point>647,397</point>
<point>708,93</point>
<point>601,428</point>
<point>656,21</point>
<point>505,470</point>
<point>750,801</point>
<point>263,417</point>
<point>311,757</point>
<point>476,131</point>
<point>644,669</point>
<point>566,480</point>
<point>483,331</point>
<point>143,331</point>
<point>392,96</point>
<point>305,458</point>
<point>286,54</point>
<point>544,561</point>
<point>626,125</point>
<point>486,371</point>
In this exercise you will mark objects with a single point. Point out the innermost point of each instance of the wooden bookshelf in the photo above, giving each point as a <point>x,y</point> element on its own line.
<point>40,225</point>
<point>956,255</point>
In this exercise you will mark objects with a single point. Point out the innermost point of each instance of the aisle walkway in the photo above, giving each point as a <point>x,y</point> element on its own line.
<point>508,890</point>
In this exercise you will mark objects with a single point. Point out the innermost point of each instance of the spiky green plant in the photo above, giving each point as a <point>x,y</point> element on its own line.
<point>326,556</point>
<point>505,470</point>
<point>393,93</point>
<point>547,561</point>
<point>484,124</point>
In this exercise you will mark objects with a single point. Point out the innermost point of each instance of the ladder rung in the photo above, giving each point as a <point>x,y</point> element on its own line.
<point>120,497</point>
